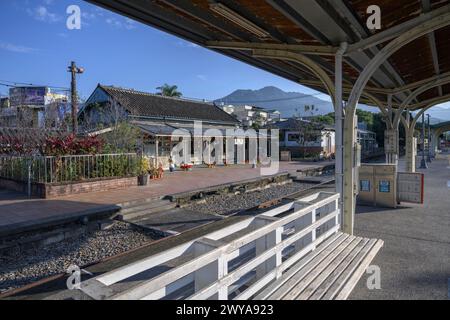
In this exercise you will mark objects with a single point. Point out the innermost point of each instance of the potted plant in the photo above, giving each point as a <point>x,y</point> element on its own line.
<point>154,173</point>
<point>144,165</point>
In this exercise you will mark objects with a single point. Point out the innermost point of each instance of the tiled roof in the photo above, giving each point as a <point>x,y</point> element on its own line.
<point>142,104</point>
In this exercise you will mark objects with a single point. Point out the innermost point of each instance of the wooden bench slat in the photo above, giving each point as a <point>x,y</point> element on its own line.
<point>351,283</point>
<point>301,272</point>
<point>357,244</point>
<point>265,293</point>
<point>308,274</point>
<point>298,276</point>
<point>347,273</point>
<point>325,286</point>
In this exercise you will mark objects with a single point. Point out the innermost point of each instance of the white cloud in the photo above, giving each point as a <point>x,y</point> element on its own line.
<point>41,13</point>
<point>88,15</point>
<point>16,48</point>
<point>126,23</point>
<point>201,77</point>
<point>186,44</point>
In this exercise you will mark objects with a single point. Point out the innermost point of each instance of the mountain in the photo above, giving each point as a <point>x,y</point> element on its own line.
<point>440,113</point>
<point>288,103</point>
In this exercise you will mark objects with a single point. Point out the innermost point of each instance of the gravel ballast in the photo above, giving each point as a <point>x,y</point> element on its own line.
<point>231,203</point>
<point>32,265</point>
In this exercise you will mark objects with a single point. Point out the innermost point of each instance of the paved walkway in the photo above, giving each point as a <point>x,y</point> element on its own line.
<point>16,209</point>
<point>415,259</point>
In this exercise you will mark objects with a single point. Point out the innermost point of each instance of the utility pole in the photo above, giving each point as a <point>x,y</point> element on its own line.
<point>74,70</point>
<point>423,163</point>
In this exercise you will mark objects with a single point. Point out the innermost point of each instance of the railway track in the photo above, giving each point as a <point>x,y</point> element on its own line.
<point>34,287</point>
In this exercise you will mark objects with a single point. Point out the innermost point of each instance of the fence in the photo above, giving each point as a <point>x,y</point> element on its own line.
<point>235,262</point>
<point>72,168</point>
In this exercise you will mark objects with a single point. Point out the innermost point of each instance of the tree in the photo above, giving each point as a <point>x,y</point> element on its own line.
<point>308,132</point>
<point>366,117</point>
<point>169,91</point>
<point>111,121</point>
<point>325,119</point>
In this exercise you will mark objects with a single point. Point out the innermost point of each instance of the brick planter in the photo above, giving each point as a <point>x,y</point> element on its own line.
<point>48,190</point>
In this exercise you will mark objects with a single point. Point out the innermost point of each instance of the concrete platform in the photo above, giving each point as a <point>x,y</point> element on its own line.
<point>415,259</point>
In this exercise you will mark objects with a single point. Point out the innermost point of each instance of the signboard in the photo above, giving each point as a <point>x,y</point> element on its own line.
<point>364,185</point>
<point>410,187</point>
<point>32,96</point>
<point>384,186</point>
<point>390,141</point>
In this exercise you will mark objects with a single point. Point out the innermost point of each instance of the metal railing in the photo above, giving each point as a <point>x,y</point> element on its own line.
<point>235,262</point>
<point>71,168</point>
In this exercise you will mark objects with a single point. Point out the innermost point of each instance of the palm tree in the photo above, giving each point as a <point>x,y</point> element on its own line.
<point>169,91</point>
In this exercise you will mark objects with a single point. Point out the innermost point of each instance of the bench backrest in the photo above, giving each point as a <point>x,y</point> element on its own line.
<point>234,262</point>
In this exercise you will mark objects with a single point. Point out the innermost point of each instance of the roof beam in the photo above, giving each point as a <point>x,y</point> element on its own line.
<point>426,5</point>
<point>305,49</point>
<point>435,101</point>
<point>343,10</point>
<point>242,11</point>
<point>397,30</point>
<point>193,11</point>
<point>416,84</point>
<point>351,32</point>
<point>295,17</point>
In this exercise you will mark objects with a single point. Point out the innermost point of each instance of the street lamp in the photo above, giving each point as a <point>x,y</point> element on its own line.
<point>423,163</point>
<point>74,70</point>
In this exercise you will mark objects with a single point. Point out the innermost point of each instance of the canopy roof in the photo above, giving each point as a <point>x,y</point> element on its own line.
<point>315,28</point>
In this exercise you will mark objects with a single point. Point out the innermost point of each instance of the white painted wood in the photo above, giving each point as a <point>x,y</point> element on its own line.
<point>291,262</point>
<point>323,275</point>
<point>212,271</point>
<point>326,285</point>
<point>347,273</point>
<point>266,243</point>
<point>328,245</point>
<point>96,290</point>
<point>307,275</point>
<point>210,267</point>
<point>356,275</point>
<point>263,256</point>
<point>219,234</point>
<point>142,265</point>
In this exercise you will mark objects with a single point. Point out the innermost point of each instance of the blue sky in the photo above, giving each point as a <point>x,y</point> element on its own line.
<point>36,47</point>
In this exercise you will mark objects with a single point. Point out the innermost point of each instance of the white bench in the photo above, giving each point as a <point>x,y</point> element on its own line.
<point>329,272</point>
<point>294,251</point>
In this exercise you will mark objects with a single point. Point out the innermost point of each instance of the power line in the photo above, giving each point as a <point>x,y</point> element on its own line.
<point>13,84</point>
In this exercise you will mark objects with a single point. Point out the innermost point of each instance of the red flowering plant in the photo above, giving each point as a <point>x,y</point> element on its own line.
<point>72,145</point>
